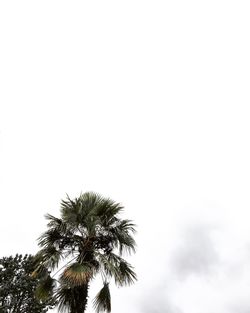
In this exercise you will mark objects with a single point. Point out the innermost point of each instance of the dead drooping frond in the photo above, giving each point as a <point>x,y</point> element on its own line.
<point>77,274</point>
<point>102,301</point>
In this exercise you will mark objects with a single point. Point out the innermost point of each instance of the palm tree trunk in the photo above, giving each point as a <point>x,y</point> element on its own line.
<point>79,298</point>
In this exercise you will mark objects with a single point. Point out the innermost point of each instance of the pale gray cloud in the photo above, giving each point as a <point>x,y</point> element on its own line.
<point>158,300</point>
<point>160,307</point>
<point>242,306</point>
<point>196,253</point>
<point>149,107</point>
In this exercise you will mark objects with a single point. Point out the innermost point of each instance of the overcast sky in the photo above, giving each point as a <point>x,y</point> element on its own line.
<point>146,102</point>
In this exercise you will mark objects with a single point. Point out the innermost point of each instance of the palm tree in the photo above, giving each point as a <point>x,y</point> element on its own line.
<point>89,239</point>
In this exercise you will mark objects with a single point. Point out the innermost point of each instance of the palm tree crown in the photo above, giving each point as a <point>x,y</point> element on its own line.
<point>87,240</point>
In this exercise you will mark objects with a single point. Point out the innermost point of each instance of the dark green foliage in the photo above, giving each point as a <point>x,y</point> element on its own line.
<point>17,286</point>
<point>102,301</point>
<point>88,239</point>
<point>72,299</point>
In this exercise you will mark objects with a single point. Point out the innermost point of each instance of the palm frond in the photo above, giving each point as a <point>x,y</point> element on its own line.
<point>108,267</point>
<point>50,237</point>
<point>126,273</point>
<point>39,270</point>
<point>57,238</point>
<point>72,299</point>
<point>45,288</point>
<point>71,210</point>
<point>102,301</point>
<point>107,209</point>
<point>116,267</point>
<point>124,243</point>
<point>49,257</point>
<point>56,223</point>
<point>121,237</point>
<point>126,226</point>
<point>77,274</point>
<point>89,203</point>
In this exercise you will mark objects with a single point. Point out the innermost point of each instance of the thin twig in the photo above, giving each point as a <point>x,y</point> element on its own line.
<point>63,267</point>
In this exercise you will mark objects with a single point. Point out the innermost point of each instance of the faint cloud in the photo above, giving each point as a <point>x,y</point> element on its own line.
<point>196,254</point>
<point>158,302</point>
<point>243,306</point>
<point>161,308</point>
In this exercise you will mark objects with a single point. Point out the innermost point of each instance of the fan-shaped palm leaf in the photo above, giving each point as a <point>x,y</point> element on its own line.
<point>116,267</point>
<point>77,274</point>
<point>45,288</point>
<point>102,301</point>
<point>49,257</point>
<point>72,299</point>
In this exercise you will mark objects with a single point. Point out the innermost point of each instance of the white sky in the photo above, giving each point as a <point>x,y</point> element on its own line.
<point>146,102</point>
